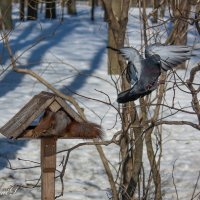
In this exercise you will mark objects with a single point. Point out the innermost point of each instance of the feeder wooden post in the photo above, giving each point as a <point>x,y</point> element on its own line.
<point>48,168</point>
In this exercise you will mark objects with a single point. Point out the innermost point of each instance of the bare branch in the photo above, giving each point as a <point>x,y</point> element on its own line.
<point>195,100</point>
<point>196,126</point>
<point>195,187</point>
<point>174,180</point>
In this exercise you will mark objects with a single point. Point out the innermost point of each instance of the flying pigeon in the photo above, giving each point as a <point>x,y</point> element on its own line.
<point>143,73</point>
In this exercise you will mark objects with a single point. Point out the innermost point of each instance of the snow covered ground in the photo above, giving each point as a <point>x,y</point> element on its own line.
<point>67,54</point>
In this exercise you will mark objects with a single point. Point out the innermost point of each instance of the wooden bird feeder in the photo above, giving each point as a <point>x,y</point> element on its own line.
<point>19,127</point>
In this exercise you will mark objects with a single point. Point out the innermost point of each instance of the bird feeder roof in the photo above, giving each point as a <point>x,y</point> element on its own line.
<point>17,126</point>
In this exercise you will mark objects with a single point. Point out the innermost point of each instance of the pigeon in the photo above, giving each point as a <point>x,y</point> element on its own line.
<point>143,73</point>
<point>147,81</point>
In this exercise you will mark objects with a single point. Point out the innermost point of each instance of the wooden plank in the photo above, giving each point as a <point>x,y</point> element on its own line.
<point>55,106</point>
<point>48,168</point>
<point>69,109</point>
<point>48,186</point>
<point>15,126</point>
<point>29,135</point>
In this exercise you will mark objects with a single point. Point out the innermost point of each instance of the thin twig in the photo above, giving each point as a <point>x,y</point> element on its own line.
<point>195,186</point>
<point>174,180</point>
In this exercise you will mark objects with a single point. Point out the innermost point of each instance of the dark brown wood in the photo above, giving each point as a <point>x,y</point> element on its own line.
<point>48,168</point>
<point>32,10</point>
<point>50,12</point>
<point>92,9</point>
<point>22,10</point>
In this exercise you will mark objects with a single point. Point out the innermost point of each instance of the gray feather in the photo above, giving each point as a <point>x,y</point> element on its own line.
<point>170,55</point>
<point>134,66</point>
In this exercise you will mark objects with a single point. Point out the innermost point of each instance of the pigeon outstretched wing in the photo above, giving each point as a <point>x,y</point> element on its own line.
<point>170,55</point>
<point>131,73</point>
<point>134,67</point>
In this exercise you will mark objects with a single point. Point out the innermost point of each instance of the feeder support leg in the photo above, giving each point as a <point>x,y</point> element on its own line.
<point>48,168</point>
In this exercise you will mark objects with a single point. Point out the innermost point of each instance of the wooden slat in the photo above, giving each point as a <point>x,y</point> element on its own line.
<point>29,135</point>
<point>55,106</point>
<point>14,127</point>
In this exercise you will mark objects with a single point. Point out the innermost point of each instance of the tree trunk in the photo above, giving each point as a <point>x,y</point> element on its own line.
<point>133,3</point>
<point>181,11</point>
<point>22,11</point>
<point>50,9</point>
<point>162,9</point>
<point>93,4</point>
<point>105,13</point>
<point>113,62</point>
<point>96,2</point>
<point>32,9</point>
<point>155,15</point>
<point>197,17</point>
<point>6,14</point>
<point>71,7</point>
<point>117,12</point>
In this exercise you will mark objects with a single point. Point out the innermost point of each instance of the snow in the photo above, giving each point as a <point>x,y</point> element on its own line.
<point>72,56</point>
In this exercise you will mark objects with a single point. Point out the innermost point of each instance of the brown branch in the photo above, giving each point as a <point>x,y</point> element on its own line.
<point>192,74</point>
<point>137,154</point>
<point>195,187</point>
<point>156,8</point>
<point>62,173</point>
<point>89,144</point>
<point>195,100</point>
<point>174,108</point>
<point>196,126</point>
